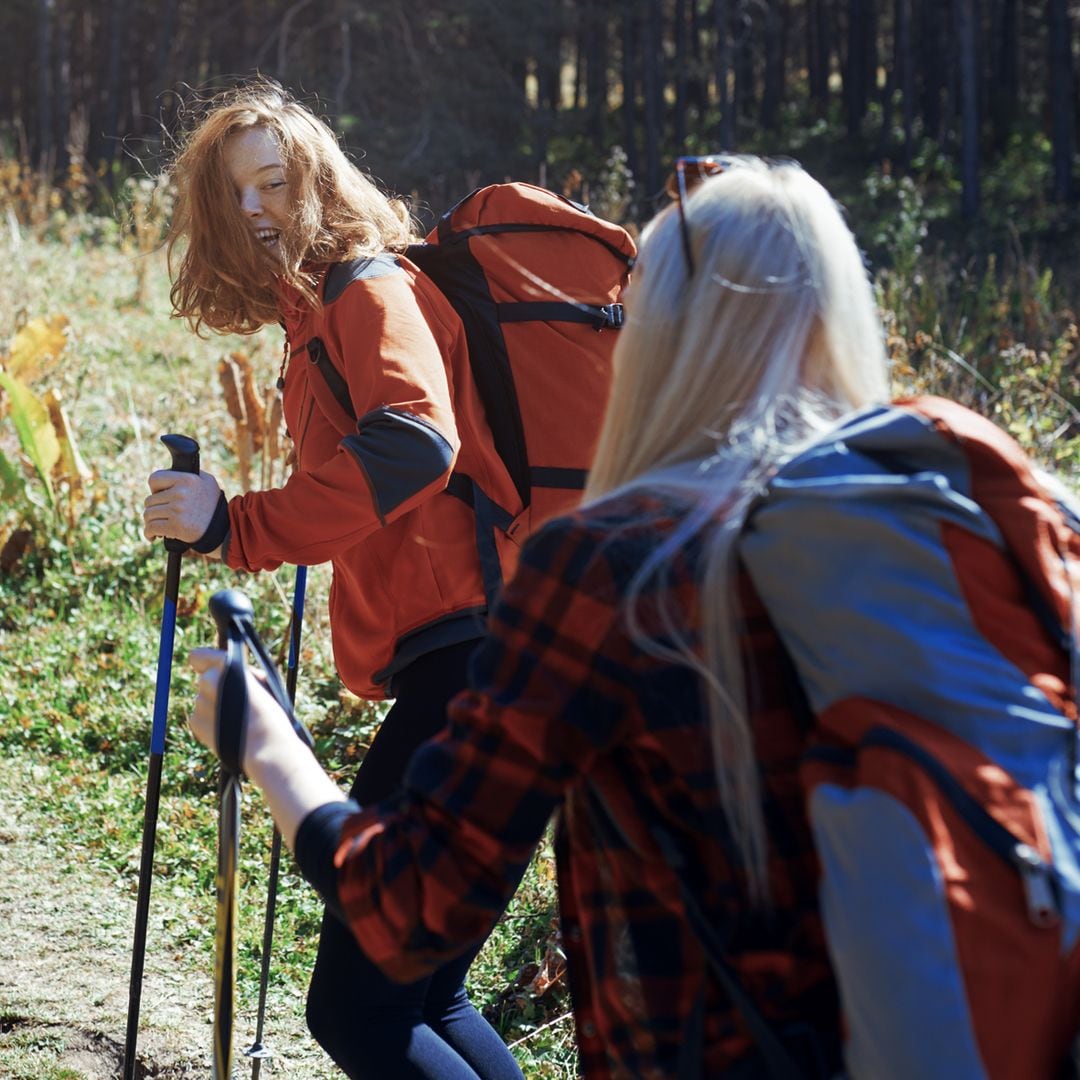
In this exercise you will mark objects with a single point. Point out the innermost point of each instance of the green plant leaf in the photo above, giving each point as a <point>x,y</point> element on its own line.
<point>12,482</point>
<point>35,430</point>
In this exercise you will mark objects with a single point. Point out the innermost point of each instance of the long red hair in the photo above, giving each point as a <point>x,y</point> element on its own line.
<point>223,278</point>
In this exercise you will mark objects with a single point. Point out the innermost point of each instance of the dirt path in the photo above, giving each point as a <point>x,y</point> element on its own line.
<point>65,956</point>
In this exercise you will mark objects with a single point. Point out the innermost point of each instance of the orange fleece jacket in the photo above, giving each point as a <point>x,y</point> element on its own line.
<point>369,495</point>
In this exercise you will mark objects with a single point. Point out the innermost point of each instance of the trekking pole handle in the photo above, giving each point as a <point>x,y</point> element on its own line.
<point>185,458</point>
<point>228,606</point>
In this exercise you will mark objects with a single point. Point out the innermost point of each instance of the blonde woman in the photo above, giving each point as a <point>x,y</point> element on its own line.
<point>631,682</point>
<point>267,204</point>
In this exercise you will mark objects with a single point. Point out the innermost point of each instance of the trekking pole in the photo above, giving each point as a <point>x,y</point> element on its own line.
<point>229,609</point>
<point>185,458</point>
<point>257,1051</point>
<point>233,614</point>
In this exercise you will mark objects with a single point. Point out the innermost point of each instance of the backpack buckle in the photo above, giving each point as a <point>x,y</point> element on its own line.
<point>609,317</point>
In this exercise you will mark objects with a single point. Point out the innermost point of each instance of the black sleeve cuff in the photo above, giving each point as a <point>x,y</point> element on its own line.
<point>217,530</point>
<point>317,842</point>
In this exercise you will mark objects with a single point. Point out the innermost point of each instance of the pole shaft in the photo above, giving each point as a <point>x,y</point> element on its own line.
<point>150,814</point>
<point>258,1051</point>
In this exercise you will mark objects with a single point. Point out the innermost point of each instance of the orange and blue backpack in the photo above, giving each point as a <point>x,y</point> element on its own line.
<point>926,585</point>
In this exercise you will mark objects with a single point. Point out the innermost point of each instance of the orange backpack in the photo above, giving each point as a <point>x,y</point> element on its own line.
<point>536,280</point>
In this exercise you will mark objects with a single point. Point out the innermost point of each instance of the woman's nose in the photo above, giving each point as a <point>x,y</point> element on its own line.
<point>250,202</point>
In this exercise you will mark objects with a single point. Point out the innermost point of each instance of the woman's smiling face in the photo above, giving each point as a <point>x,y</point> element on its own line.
<point>253,162</point>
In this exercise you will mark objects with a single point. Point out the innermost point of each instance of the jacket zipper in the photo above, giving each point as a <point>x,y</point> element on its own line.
<point>1036,874</point>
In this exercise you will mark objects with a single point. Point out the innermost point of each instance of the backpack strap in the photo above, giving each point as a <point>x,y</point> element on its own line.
<point>340,275</point>
<point>779,1062</point>
<point>489,516</point>
<point>447,236</point>
<point>608,317</point>
<point>319,355</point>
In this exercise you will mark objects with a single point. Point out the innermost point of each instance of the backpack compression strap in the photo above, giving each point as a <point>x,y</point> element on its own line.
<point>608,317</point>
<point>773,1046</point>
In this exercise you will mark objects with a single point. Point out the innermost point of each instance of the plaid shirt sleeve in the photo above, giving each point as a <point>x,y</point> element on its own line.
<point>423,878</point>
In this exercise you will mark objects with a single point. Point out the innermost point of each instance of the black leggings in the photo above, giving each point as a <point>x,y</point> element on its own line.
<point>373,1028</point>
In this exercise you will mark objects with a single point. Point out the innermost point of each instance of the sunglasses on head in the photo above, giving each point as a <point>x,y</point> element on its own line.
<point>689,174</point>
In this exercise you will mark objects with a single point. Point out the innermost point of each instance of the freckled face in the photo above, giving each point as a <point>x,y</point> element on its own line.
<point>253,162</point>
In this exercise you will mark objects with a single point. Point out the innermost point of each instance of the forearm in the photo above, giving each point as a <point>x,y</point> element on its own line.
<point>292,781</point>
<point>375,477</point>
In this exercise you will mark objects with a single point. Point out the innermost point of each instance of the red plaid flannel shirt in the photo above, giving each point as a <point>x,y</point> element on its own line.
<point>569,714</point>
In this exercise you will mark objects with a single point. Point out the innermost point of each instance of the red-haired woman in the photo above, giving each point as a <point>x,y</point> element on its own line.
<point>267,203</point>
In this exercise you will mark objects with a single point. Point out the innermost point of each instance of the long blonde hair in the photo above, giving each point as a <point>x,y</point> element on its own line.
<point>719,376</point>
<point>224,278</point>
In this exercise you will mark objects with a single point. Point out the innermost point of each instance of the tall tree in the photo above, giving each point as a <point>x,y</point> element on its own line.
<point>933,67</point>
<point>652,89</point>
<point>775,59</point>
<point>722,17</point>
<point>631,35</point>
<point>597,62</point>
<point>1062,98</point>
<point>965,17</point>
<point>817,54</point>
<point>106,137</point>
<point>681,74</point>
<point>904,80</point>
<point>46,95</point>
<point>1005,82</point>
<point>856,83</point>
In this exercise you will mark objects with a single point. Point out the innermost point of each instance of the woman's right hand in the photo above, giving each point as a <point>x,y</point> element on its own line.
<point>275,760</point>
<point>266,721</point>
<point>180,505</point>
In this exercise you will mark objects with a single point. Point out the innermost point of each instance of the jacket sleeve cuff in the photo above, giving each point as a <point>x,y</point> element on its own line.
<point>317,842</point>
<point>217,530</point>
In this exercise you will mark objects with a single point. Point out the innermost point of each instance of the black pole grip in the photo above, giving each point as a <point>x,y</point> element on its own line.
<point>185,458</point>
<point>226,606</point>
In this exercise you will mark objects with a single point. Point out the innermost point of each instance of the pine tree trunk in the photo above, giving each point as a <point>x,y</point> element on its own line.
<point>933,69</point>
<point>904,80</point>
<point>114,81</point>
<point>965,17</point>
<point>679,114</point>
<point>1061,98</point>
<point>1006,97</point>
<point>817,55</point>
<point>597,72</point>
<point>652,87</point>
<point>46,146</point>
<point>630,36</point>
<point>773,92</point>
<point>722,68</point>
<point>855,70</point>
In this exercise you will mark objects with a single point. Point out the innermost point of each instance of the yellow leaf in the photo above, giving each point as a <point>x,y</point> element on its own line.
<point>39,341</point>
<point>69,465</point>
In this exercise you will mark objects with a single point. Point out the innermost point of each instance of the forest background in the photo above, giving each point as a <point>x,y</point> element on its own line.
<point>947,130</point>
